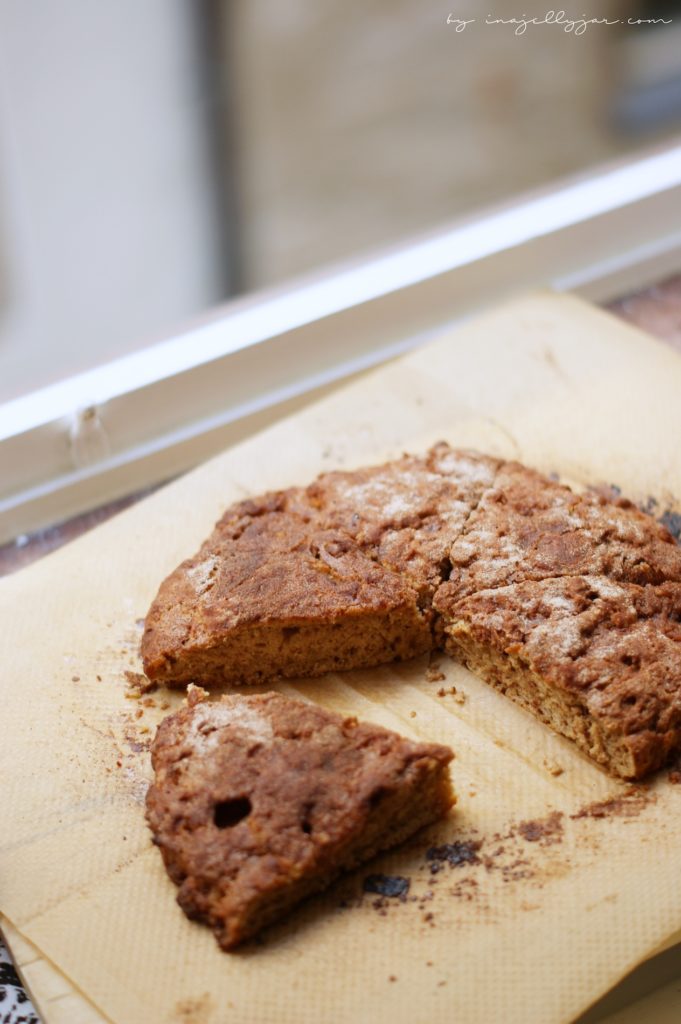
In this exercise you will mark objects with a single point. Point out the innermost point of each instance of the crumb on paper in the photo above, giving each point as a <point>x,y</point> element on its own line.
<point>138,684</point>
<point>195,694</point>
<point>458,696</point>
<point>455,854</point>
<point>434,675</point>
<point>629,804</point>
<point>553,767</point>
<point>395,886</point>
<point>194,1011</point>
<point>412,714</point>
<point>545,831</point>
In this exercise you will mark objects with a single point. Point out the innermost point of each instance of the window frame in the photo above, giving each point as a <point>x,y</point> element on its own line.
<point>148,416</point>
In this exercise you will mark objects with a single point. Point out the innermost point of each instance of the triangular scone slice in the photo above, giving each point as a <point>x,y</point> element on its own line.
<point>527,527</point>
<point>336,576</point>
<point>408,513</point>
<point>260,800</point>
<point>274,593</point>
<point>598,661</point>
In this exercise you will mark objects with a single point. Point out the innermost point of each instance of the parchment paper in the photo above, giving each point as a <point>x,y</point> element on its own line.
<point>565,878</point>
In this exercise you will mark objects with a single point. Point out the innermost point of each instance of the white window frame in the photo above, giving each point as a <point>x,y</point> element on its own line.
<point>148,416</point>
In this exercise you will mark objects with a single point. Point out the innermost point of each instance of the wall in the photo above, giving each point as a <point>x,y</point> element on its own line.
<point>110,221</point>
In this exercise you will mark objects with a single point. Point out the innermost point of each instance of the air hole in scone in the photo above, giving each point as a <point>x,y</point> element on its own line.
<point>445,569</point>
<point>229,813</point>
<point>628,701</point>
<point>306,816</point>
<point>289,631</point>
<point>377,796</point>
<point>631,659</point>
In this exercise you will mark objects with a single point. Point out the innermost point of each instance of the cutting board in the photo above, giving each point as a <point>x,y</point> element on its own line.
<point>563,879</point>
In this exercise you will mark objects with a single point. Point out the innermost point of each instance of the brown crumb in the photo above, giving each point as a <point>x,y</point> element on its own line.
<point>455,854</point>
<point>138,684</point>
<point>460,698</point>
<point>543,830</point>
<point>75,679</point>
<point>99,679</point>
<point>552,767</point>
<point>139,712</point>
<point>195,694</point>
<point>393,977</point>
<point>628,805</point>
<point>412,714</point>
<point>434,675</point>
<point>194,1011</point>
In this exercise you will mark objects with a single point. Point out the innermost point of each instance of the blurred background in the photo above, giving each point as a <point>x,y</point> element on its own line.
<point>160,156</point>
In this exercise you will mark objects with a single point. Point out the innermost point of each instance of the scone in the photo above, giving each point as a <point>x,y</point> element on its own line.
<point>339,575</point>
<point>259,801</point>
<point>364,567</point>
<point>273,592</point>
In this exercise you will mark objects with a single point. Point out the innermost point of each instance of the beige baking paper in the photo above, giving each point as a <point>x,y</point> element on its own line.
<point>561,898</point>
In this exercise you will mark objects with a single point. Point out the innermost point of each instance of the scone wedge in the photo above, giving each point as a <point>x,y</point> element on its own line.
<point>260,800</point>
<point>277,592</point>
<point>599,661</point>
<point>338,575</point>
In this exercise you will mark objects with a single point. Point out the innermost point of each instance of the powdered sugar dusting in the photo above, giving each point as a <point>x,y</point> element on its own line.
<point>201,575</point>
<point>393,496</point>
<point>210,718</point>
<point>472,469</point>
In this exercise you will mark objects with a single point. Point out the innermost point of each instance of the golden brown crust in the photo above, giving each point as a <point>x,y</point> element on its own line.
<point>408,513</point>
<point>261,800</point>
<point>527,527</point>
